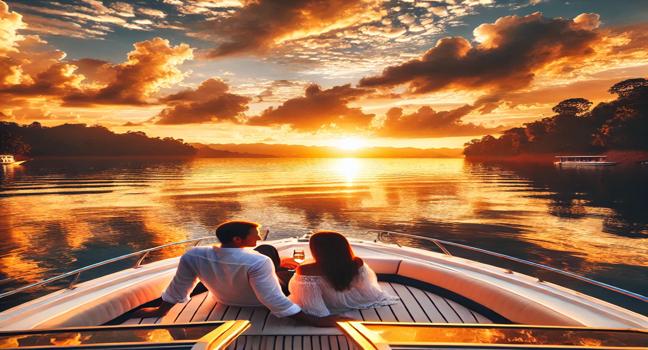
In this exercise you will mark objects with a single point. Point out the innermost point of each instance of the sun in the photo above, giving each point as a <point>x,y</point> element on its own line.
<point>350,143</point>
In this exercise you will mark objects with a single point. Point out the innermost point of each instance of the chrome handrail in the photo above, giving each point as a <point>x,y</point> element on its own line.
<point>440,243</point>
<point>75,274</point>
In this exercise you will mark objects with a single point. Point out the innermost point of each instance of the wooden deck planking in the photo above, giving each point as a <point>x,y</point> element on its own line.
<point>481,318</point>
<point>465,314</point>
<point>187,314</point>
<point>413,306</point>
<point>416,305</point>
<point>307,342</point>
<point>444,308</point>
<point>217,312</point>
<point>369,315</point>
<point>432,312</point>
<point>204,309</point>
<point>173,313</point>
<point>402,313</point>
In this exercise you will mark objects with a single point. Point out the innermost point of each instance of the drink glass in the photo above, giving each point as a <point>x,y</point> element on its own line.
<point>299,256</point>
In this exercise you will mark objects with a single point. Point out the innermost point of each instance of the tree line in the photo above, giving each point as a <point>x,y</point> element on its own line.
<point>35,140</point>
<point>621,124</point>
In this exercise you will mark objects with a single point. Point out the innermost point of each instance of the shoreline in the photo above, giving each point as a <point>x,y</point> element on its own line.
<point>621,157</point>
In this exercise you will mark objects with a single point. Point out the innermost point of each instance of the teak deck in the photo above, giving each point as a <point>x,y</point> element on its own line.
<point>269,332</point>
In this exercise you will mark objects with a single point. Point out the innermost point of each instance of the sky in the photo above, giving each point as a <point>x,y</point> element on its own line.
<point>355,73</point>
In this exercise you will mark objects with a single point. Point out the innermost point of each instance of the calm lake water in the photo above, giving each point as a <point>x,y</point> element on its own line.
<point>58,215</point>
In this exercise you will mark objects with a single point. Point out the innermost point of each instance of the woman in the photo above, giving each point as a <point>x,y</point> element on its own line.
<point>337,281</point>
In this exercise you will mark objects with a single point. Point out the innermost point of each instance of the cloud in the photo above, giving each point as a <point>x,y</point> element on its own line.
<point>261,25</point>
<point>10,23</point>
<point>210,102</point>
<point>270,90</point>
<point>318,109</point>
<point>58,79</point>
<point>151,65</point>
<point>426,122</point>
<point>508,54</point>
<point>151,12</point>
<point>28,66</point>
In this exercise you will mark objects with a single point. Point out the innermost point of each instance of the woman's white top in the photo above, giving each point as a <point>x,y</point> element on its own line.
<point>316,295</point>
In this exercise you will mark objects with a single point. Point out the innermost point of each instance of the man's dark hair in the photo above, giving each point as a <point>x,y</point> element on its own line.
<point>230,229</point>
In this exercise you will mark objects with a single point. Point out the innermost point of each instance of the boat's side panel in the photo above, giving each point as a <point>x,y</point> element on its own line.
<point>94,302</point>
<point>517,297</point>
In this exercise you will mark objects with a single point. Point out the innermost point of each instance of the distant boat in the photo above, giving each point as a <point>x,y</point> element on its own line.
<point>576,161</point>
<point>8,159</point>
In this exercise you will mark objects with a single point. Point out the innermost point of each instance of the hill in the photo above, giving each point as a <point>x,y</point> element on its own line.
<point>67,140</point>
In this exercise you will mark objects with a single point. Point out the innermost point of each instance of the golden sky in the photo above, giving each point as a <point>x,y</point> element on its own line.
<point>369,72</point>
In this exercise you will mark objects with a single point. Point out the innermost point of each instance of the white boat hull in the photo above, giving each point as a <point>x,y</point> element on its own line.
<point>516,297</point>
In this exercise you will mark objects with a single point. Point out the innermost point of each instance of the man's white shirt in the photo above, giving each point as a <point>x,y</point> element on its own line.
<point>234,276</point>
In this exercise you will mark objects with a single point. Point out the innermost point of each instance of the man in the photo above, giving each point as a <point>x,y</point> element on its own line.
<point>234,276</point>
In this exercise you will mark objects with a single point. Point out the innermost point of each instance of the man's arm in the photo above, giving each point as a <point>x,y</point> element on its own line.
<point>178,290</point>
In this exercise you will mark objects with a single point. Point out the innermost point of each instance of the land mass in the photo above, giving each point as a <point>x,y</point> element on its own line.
<point>80,140</point>
<point>618,128</point>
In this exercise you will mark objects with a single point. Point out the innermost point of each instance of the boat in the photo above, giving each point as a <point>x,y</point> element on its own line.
<point>8,159</point>
<point>451,296</point>
<point>586,161</point>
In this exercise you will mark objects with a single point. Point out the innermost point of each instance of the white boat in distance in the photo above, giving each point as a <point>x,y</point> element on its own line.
<point>8,159</point>
<point>447,301</point>
<point>576,161</point>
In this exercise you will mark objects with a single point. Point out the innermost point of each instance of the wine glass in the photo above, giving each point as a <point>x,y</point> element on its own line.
<point>299,256</point>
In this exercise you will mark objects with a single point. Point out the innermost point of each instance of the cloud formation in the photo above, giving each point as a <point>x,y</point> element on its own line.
<point>509,53</point>
<point>210,102</point>
<point>261,25</point>
<point>318,109</point>
<point>426,122</point>
<point>151,65</point>
<point>10,23</point>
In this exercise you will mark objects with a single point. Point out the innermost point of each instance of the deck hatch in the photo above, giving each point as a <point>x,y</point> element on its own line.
<point>211,335</point>
<point>390,335</point>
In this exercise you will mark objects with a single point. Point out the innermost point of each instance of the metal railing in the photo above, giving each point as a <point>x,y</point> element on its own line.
<point>75,274</point>
<point>441,244</point>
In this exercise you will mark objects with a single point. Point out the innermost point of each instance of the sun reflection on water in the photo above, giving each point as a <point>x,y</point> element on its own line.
<point>348,168</point>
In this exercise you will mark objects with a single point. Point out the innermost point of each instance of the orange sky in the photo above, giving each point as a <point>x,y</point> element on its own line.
<point>403,73</point>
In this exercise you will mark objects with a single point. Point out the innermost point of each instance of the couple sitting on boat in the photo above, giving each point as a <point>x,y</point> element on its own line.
<point>335,282</point>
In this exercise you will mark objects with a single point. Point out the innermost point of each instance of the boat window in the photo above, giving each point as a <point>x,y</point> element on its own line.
<point>207,335</point>
<point>379,335</point>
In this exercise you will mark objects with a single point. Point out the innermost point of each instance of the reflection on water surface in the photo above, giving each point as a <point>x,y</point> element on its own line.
<point>57,215</point>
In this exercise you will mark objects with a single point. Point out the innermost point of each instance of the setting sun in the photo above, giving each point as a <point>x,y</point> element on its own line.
<point>350,143</point>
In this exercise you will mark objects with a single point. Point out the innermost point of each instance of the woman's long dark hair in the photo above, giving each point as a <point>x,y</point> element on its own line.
<point>334,256</point>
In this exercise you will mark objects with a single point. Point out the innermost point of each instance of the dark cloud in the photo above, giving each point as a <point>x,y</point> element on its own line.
<point>95,71</point>
<point>151,65</point>
<point>426,122</point>
<point>318,108</point>
<point>509,53</point>
<point>210,102</point>
<point>262,24</point>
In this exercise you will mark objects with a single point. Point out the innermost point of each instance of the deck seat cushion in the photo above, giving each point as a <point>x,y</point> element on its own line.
<point>508,303</point>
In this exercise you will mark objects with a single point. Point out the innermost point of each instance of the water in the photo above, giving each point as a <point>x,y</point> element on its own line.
<point>58,215</point>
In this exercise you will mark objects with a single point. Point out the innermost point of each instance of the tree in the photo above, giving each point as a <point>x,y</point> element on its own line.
<point>572,106</point>
<point>627,87</point>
